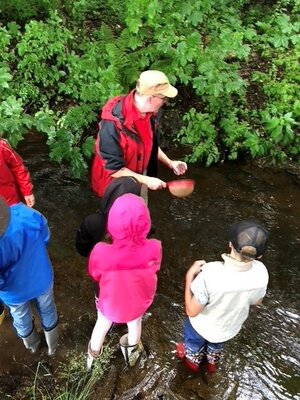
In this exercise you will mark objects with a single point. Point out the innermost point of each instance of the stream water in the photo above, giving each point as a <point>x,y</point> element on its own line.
<point>262,362</point>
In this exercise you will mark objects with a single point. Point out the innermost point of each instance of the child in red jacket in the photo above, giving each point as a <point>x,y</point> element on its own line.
<point>15,182</point>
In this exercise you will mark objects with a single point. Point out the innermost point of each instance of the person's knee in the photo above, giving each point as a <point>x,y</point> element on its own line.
<point>24,328</point>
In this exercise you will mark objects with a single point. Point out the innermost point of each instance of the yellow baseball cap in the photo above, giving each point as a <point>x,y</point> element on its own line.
<point>151,83</point>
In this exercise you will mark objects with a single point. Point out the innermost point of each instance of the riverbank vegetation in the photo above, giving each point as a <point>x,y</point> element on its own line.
<point>235,63</point>
<point>68,380</point>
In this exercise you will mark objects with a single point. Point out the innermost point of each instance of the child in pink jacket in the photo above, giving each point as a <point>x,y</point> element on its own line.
<point>126,273</point>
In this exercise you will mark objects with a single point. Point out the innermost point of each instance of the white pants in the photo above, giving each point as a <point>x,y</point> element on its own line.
<point>103,325</point>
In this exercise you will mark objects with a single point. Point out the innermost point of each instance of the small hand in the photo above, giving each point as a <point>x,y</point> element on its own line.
<point>30,200</point>
<point>195,269</point>
<point>178,167</point>
<point>155,183</point>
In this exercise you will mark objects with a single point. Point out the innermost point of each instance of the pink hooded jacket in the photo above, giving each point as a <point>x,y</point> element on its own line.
<point>126,269</point>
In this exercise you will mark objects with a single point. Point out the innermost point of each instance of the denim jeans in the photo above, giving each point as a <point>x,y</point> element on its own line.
<point>22,314</point>
<point>196,346</point>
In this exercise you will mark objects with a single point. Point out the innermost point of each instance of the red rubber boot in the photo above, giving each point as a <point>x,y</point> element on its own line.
<point>189,364</point>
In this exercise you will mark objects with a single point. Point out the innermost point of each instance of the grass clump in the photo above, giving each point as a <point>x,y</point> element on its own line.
<point>70,380</point>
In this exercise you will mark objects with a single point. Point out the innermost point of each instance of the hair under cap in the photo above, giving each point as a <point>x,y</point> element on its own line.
<point>248,238</point>
<point>152,83</point>
<point>4,216</point>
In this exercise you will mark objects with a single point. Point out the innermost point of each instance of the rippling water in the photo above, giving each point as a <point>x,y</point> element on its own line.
<point>263,361</point>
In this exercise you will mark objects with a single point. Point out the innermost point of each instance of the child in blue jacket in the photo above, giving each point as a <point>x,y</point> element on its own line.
<point>26,274</point>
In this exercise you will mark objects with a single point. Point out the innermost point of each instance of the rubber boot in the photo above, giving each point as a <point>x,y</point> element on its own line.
<point>210,368</point>
<point>212,361</point>
<point>32,341</point>
<point>189,359</point>
<point>131,353</point>
<point>51,340</point>
<point>92,355</point>
<point>180,353</point>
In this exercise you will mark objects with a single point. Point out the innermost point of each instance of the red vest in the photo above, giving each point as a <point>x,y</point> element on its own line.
<point>127,142</point>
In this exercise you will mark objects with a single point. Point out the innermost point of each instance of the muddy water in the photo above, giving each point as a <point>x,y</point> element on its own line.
<point>262,362</point>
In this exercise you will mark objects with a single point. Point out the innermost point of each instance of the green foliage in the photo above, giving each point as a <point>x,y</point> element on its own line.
<point>81,10</point>
<point>64,135</point>
<point>5,38</point>
<point>5,77</point>
<point>12,121</point>
<point>255,144</point>
<point>279,31</point>
<point>234,134</point>
<point>201,134</point>
<point>23,10</point>
<point>41,53</point>
<point>280,85</point>
<point>272,131</point>
<point>60,61</point>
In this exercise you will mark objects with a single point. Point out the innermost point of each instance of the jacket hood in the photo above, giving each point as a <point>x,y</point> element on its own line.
<point>129,220</point>
<point>118,187</point>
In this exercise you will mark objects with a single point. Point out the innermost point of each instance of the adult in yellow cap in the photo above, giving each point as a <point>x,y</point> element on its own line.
<point>127,142</point>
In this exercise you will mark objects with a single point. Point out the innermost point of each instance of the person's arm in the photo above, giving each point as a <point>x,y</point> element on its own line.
<point>259,295</point>
<point>256,306</point>
<point>259,302</point>
<point>93,265</point>
<point>151,182</point>
<point>178,167</point>
<point>109,150</point>
<point>21,175</point>
<point>192,306</point>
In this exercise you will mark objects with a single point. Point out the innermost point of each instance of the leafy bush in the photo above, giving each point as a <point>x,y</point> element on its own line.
<point>23,10</point>
<point>57,71</point>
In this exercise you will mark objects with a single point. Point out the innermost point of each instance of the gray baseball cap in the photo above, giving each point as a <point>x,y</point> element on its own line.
<point>245,235</point>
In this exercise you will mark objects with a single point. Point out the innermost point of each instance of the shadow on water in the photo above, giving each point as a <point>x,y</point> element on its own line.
<point>262,362</point>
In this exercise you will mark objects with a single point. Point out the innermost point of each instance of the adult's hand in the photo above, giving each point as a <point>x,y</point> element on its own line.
<point>151,182</point>
<point>30,200</point>
<point>178,167</point>
<point>154,183</point>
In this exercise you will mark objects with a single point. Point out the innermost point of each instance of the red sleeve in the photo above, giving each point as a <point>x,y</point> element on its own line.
<point>19,171</point>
